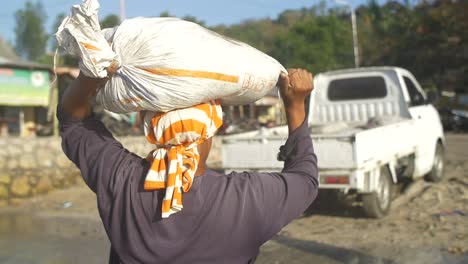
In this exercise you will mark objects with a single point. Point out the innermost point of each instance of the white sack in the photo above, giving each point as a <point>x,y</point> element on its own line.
<point>80,35</point>
<point>167,63</point>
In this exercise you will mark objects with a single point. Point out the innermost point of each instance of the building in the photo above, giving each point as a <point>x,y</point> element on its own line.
<point>25,94</point>
<point>266,111</point>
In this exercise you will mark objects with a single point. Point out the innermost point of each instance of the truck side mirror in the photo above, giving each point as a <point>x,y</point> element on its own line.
<point>432,97</point>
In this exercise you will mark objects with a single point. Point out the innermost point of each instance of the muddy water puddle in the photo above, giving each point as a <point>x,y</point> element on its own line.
<point>26,239</point>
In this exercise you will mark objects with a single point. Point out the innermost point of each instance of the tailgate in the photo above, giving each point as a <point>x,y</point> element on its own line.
<point>260,153</point>
<point>335,152</point>
<point>251,153</point>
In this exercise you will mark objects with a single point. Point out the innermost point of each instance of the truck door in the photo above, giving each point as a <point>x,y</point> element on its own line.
<point>425,116</point>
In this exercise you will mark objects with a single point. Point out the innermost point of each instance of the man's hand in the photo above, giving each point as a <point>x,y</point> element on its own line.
<point>294,89</point>
<point>77,98</point>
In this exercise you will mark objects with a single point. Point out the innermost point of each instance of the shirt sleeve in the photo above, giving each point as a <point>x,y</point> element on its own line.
<point>101,159</point>
<point>281,197</point>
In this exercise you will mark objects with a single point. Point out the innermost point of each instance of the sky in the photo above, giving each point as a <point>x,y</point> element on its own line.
<point>213,12</point>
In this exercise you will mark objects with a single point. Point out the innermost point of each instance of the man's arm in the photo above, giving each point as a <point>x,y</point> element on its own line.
<point>294,89</point>
<point>76,100</point>
<point>101,159</point>
<point>278,198</point>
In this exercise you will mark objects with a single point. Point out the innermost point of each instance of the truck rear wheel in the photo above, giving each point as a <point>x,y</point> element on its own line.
<point>437,172</point>
<point>377,204</point>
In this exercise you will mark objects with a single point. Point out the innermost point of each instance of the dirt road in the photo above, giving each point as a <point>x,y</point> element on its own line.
<point>429,224</point>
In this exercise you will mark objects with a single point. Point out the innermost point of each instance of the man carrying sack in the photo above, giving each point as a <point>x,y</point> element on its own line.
<point>169,207</point>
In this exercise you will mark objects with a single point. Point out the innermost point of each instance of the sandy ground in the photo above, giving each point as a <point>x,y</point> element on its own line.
<point>428,224</point>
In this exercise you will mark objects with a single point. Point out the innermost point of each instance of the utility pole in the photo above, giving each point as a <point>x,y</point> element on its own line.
<point>355,38</point>
<point>354,28</point>
<point>122,10</point>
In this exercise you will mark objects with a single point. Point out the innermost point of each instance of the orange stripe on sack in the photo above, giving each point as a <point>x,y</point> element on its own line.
<point>89,46</point>
<point>196,74</point>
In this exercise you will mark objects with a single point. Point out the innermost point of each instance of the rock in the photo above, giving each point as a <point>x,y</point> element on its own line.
<point>456,250</point>
<point>3,192</point>
<point>29,148</point>
<point>46,162</point>
<point>4,151</point>
<point>5,179</point>
<point>44,185</point>
<point>16,201</point>
<point>439,196</point>
<point>62,161</point>
<point>20,187</point>
<point>12,164</point>
<point>55,146</point>
<point>59,174</point>
<point>32,180</point>
<point>27,161</point>
<point>58,178</point>
<point>67,183</point>
<point>13,150</point>
<point>428,194</point>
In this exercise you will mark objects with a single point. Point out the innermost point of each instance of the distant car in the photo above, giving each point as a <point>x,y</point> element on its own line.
<point>455,120</point>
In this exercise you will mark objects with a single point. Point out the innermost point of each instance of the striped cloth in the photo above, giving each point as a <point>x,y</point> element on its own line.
<point>176,135</point>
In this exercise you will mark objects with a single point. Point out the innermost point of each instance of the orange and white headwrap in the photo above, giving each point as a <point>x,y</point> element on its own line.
<point>176,135</point>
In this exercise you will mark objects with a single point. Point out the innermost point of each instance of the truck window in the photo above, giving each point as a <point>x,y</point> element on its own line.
<point>415,95</point>
<point>357,88</point>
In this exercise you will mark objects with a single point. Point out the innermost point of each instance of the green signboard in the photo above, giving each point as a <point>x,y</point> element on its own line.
<point>20,87</point>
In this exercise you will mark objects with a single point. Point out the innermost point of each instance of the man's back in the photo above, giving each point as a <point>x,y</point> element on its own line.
<point>225,217</point>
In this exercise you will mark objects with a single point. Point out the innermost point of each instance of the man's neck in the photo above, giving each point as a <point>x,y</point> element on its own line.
<point>201,169</point>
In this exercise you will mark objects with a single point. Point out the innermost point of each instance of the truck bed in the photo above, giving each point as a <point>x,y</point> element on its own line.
<point>338,147</point>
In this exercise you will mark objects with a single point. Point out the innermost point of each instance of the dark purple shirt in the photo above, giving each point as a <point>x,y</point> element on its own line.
<point>225,219</point>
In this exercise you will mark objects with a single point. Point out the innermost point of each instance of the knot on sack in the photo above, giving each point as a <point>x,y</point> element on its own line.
<point>113,68</point>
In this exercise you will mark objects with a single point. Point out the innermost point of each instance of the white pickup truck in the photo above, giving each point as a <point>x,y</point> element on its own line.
<point>371,128</point>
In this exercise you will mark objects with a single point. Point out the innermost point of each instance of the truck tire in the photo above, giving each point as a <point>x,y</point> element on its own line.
<point>377,204</point>
<point>437,172</point>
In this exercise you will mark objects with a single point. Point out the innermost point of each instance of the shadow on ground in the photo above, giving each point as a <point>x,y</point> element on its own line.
<point>283,249</point>
<point>334,204</point>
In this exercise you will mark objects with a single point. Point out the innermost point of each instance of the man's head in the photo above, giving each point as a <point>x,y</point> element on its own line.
<point>186,131</point>
<point>183,141</point>
<point>203,149</point>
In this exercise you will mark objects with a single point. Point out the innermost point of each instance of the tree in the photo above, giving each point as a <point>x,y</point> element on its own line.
<point>194,20</point>
<point>6,50</point>
<point>110,21</point>
<point>31,37</point>
<point>165,14</point>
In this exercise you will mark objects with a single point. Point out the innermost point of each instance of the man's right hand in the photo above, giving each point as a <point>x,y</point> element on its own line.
<point>294,89</point>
